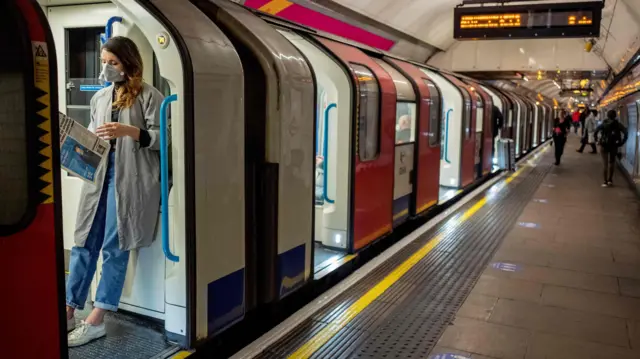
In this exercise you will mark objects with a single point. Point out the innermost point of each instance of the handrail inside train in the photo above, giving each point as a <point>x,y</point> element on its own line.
<point>326,152</point>
<point>446,137</point>
<point>164,178</point>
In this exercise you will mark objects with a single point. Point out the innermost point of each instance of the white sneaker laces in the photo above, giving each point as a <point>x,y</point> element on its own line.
<point>80,330</point>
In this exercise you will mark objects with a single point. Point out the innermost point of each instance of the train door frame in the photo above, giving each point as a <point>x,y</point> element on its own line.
<point>285,161</point>
<point>509,118</point>
<point>35,241</point>
<point>450,168</point>
<point>478,134</point>
<point>503,105</point>
<point>427,162</point>
<point>333,216</point>
<point>487,128</point>
<point>372,185</point>
<point>60,19</point>
<point>467,158</point>
<point>404,184</point>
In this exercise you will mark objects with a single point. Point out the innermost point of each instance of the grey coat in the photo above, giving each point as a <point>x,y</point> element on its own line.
<point>137,172</point>
<point>590,123</point>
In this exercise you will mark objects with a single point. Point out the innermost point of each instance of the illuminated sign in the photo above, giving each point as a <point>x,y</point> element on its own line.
<point>528,21</point>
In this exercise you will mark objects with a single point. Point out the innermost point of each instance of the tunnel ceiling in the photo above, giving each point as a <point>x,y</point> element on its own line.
<point>432,22</point>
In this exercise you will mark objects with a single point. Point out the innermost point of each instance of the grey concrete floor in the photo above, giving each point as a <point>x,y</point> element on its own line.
<point>565,283</point>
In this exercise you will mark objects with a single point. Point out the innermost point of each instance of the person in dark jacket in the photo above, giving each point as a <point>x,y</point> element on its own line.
<point>583,118</point>
<point>560,128</point>
<point>568,119</point>
<point>613,136</point>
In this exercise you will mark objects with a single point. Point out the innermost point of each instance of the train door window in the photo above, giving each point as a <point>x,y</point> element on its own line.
<point>466,113</point>
<point>14,183</point>
<point>368,113</point>
<point>82,71</point>
<point>405,122</point>
<point>479,112</point>
<point>435,106</point>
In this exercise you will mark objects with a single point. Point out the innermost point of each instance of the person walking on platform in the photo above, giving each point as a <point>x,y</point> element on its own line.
<point>575,119</point>
<point>614,135</point>
<point>560,129</point>
<point>120,212</point>
<point>588,131</point>
<point>583,118</point>
<point>568,119</point>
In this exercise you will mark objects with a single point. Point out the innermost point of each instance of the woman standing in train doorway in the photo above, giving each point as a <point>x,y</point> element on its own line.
<point>120,212</point>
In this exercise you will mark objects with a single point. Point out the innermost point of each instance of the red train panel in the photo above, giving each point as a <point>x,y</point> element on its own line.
<point>31,263</point>
<point>372,203</point>
<point>428,158</point>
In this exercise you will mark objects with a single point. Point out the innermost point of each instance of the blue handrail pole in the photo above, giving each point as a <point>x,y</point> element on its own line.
<point>326,152</point>
<point>164,177</point>
<point>446,137</point>
<point>108,32</point>
<point>108,29</point>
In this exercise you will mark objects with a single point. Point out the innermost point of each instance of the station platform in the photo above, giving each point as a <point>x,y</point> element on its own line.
<point>541,263</point>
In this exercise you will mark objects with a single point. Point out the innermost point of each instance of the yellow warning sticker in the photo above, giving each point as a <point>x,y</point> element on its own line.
<point>41,76</point>
<point>41,65</point>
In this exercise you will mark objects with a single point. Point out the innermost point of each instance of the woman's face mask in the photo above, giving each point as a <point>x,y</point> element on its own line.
<point>111,74</point>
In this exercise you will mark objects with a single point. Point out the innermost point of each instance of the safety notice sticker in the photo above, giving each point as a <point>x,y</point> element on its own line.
<point>41,65</point>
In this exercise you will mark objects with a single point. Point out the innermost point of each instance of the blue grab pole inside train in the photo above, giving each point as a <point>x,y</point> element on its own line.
<point>164,177</point>
<point>446,137</point>
<point>326,151</point>
<point>108,32</point>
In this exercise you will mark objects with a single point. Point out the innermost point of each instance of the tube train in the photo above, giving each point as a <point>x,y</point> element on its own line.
<point>292,151</point>
<point>627,109</point>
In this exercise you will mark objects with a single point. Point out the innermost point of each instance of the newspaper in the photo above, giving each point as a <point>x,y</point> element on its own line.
<point>81,151</point>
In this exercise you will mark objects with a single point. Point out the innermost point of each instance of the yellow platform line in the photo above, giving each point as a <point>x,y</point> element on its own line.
<point>323,336</point>
<point>181,355</point>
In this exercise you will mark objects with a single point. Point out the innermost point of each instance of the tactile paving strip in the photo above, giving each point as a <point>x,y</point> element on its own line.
<point>407,320</point>
<point>127,337</point>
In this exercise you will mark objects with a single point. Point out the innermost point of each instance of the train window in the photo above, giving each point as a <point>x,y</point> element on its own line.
<point>434,113</point>
<point>466,113</point>
<point>83,69</point>
<point>368,113</point>
<point>405,122</point>
<point>14,183</point>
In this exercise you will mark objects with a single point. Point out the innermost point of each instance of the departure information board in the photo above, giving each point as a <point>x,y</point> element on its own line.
<point>528,21</point>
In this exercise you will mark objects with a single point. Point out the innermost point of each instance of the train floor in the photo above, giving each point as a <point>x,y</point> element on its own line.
<point>129,337</point>
<point>541,264</point>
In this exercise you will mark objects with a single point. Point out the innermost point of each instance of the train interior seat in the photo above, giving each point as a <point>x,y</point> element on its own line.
<point>333,141</point>
<point>451,152</point>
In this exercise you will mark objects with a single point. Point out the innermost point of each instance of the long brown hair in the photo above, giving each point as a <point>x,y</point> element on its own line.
<point>128,54</point>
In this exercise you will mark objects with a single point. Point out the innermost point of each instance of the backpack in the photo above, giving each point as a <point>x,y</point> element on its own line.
<point>611,134</point>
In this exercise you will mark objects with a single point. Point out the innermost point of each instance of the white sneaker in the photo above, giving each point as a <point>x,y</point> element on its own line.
<point>71,324</point>
<point>85,333</point>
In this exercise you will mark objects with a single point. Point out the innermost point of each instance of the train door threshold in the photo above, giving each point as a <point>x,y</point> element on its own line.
<point>398,305</point>
<point>129,337</point>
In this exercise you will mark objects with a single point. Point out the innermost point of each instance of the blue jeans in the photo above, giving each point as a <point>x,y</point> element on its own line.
<point>103,235</point>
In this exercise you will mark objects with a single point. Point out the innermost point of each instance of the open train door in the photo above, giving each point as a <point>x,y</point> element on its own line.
<point>31,263</point>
